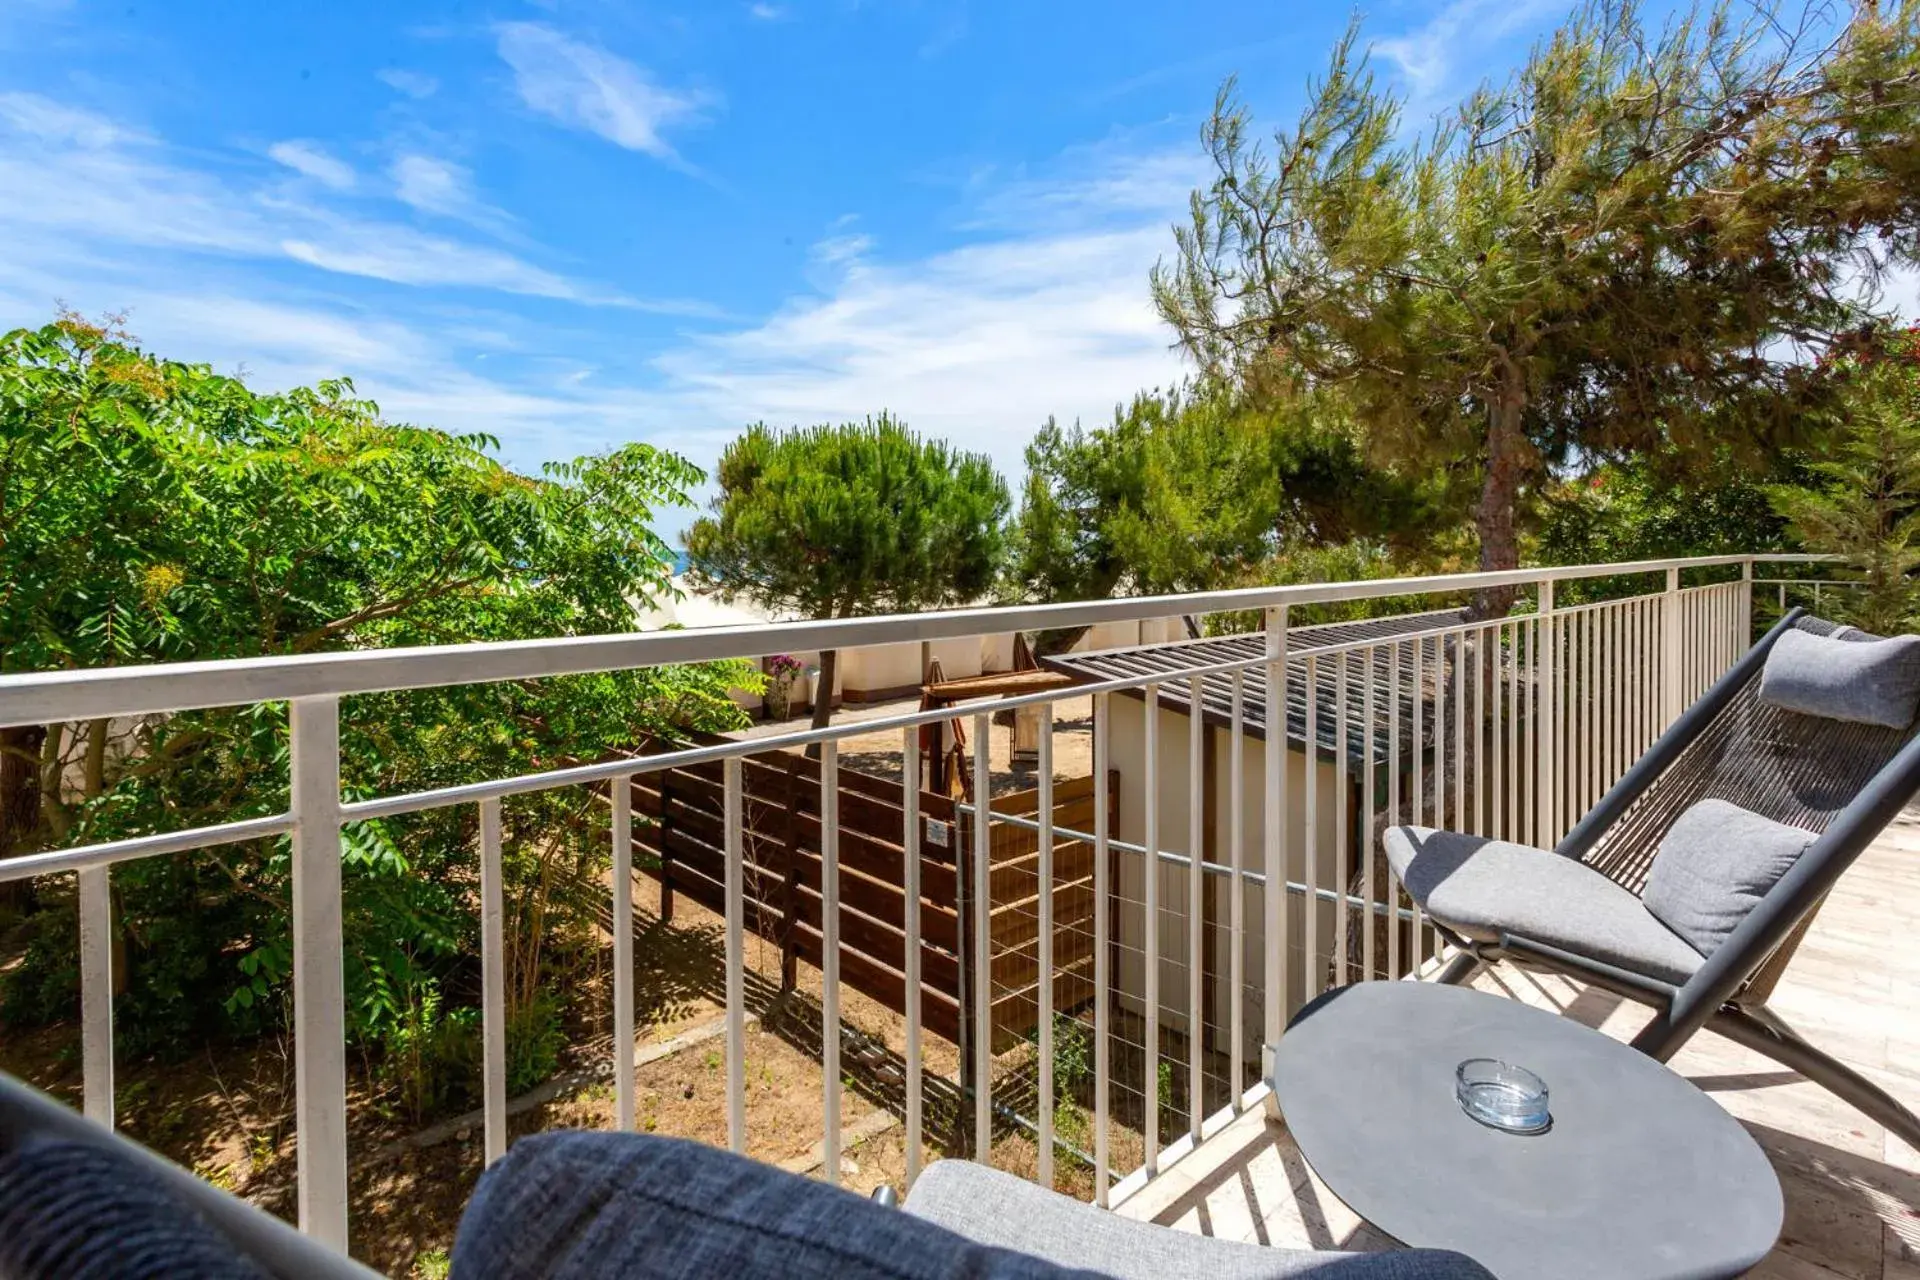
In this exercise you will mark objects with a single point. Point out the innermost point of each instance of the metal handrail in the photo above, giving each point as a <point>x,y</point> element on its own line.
<point>28,698</point>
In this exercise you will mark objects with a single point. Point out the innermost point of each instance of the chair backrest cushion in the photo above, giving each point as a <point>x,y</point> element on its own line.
<point>1844,677</point>
<point>1715,863</point>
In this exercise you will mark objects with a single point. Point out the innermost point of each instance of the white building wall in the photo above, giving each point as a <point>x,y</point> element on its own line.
<point>1127,742</point>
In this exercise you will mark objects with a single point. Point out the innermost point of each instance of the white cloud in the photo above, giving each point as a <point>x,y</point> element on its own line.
<point>313,161</point>
<point>437,186</point>
<point>77,188</point>
<point>767,12</point>
<point>402,255</point>
<point>1433,60</point>
<point>1033,314</point>
<point>55,122</point>
<point>415,84</point>
<point>588,88</point>
<point>980,344</point>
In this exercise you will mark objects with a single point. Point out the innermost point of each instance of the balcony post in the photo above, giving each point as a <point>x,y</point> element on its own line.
<point>1546,746</point>
<point>1672,651</point>
<point>1273,826</point>
<point>1746,606</point>
<point>319,992</point>
<point>96,993</point>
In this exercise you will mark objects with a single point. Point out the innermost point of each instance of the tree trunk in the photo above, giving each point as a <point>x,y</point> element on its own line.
<point>1495,517</point>
<point>19,804</point>
<point>823,695</point>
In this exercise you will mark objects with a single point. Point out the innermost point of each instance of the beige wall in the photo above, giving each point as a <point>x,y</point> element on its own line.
<point>1127,742</point>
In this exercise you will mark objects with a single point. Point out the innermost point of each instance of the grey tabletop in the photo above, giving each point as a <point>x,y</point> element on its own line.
<point>1641,1176</point>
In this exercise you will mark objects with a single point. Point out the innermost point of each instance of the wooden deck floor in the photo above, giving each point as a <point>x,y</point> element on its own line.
<point>1852,1190</point>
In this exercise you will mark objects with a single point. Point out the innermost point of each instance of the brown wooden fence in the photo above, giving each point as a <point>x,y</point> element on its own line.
<point>680,842</point>
<point>1015,922</point>
<point>780,795</point>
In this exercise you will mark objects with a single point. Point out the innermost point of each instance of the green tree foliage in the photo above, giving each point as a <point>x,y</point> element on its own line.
<point>1634,509</point>
<point>152,511</point>
<point>1624,248</point>
<point>1194,489</point>
<point>836,521</point>
<point>1860,499</point>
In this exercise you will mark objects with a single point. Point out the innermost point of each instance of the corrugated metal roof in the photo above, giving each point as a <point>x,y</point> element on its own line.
<point>1172,660</point>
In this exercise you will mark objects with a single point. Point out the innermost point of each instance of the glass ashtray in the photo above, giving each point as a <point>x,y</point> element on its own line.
<point>1502,1096</point>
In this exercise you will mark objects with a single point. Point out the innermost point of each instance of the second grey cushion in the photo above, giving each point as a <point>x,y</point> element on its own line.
<point>1863,681</point>
<point>1482,888</point>
<point>1715,863</point>
<point>995,1208</point>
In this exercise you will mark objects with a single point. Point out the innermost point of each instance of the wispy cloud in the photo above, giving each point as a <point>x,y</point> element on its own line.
<point>979,344</point>
<point>73,184</point>
<point>441,187</point>
<point>314,161</point>
<point>55,122</point>
<point>1436,61</point>
<point>585,87</point>
<point>767,12</point>
<point>415,84</point>
<point>1035,313</point>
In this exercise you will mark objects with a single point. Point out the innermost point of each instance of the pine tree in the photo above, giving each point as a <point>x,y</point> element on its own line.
<point>1628,247</point>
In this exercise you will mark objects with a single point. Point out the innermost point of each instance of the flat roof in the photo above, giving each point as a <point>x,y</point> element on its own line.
<point>1171,661</point>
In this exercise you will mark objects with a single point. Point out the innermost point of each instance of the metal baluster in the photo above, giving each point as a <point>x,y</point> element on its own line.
<point>982,944</point>
<point>1368,895</point>
<point>1418,807</point>
<point>1490,778</point>
<point>1342,838</point>
<point>96,993</point>
<point>830,959</point>
<point>1150,894</point>
<point>1316,971</point>
<point>1393,805</point>
<point>1102,978</point>
<point>1196,921</point>
<point>1482,677</point>
<point>1045,942</point>
<point>910,847</point>
<point>319,989</point>
<point>620,803</point>
<point>1237,898</point>
<point>733,819</point>
<point>493,982</point>
<point>1460,678</point>
<point>1273,895</point>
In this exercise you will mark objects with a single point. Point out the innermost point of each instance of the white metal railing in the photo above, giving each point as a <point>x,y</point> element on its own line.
<point>1507,726</point>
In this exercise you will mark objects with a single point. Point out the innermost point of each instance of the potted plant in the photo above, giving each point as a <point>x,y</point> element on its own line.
<point>782,670</point>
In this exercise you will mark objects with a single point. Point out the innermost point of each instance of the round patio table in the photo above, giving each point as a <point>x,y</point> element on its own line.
<point>1639,1176</point>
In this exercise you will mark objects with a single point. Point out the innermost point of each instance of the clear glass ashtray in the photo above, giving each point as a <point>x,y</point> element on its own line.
<point>1502,1096</point>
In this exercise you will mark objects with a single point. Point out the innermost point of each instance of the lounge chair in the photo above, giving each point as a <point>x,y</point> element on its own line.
<point>1690,884</point>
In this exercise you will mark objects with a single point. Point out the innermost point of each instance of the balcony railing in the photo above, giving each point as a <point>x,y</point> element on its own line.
<point>1161,943</point>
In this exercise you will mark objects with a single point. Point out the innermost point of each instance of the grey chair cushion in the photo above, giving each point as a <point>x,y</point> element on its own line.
<point>1714,865</point>
<point>1844,678</point>
<point>1481,888</point>
<point>998,1209</point>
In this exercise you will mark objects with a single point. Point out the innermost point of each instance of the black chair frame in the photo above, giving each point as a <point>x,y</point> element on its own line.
<point>1723,995</point>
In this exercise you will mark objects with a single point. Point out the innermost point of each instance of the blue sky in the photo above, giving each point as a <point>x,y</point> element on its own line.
<point>575,224</point>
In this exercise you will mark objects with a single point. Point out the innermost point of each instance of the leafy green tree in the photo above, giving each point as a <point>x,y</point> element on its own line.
<point>1195,488</point>
<point>1634,509</point>
<point>1625,248</point>
<point>835,521</point>
<point>152,511</point>
<point>1860,499</point>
